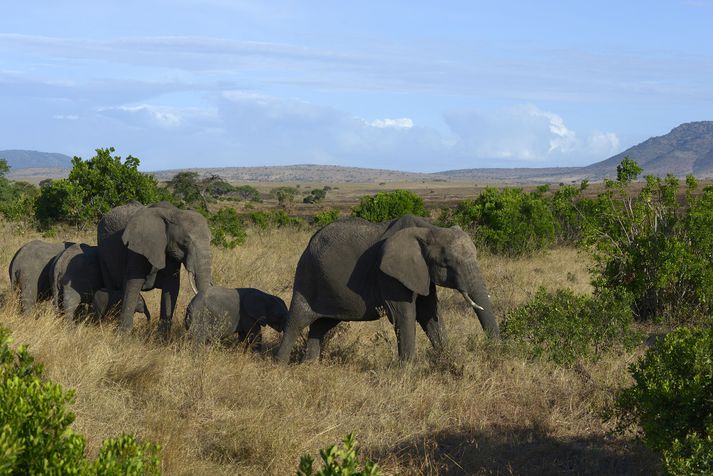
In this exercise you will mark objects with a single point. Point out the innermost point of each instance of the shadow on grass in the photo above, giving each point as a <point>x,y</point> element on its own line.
<point>521,451</point>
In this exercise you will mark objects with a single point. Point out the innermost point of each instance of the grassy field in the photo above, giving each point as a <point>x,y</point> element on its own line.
<point>473,410</point>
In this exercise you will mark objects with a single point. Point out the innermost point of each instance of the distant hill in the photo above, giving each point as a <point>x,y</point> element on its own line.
<point>32,159</point>
<point>687,149</point>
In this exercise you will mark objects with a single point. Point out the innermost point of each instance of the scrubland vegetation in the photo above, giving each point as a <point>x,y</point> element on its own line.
<point>577,282</point>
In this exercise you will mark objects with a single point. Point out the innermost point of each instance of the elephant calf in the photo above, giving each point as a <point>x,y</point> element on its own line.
<point>218,313</point>
<point>30,271</point>
<point>77,279</point>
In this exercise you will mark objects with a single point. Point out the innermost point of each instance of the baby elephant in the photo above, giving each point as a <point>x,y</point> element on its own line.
<point>218,313</point>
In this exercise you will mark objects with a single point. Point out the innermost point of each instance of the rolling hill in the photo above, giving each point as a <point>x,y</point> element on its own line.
<point>32,159</point>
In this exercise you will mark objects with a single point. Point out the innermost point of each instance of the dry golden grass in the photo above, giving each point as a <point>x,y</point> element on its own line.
<point>473,410</point>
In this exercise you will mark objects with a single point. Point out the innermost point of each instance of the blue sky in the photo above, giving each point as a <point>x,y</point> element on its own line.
<point>420,86</point>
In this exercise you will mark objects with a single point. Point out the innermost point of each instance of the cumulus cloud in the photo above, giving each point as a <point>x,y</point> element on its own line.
<point>525,136</point>
<point>401,123</point>
<point>147,115</point>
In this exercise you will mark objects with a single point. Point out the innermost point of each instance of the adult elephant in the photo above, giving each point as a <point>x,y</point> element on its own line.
<point>142,248</point>
<point>30,271</point>
<point>351,268</point>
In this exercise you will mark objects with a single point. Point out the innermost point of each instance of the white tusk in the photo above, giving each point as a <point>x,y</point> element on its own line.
<point>193,283</point>
<point>471,302</point>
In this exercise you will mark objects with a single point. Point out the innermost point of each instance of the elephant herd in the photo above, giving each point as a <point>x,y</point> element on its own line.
<point>351,270</point>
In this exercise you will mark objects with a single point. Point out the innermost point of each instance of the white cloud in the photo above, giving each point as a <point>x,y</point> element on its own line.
<point>400,123</point>
<point>65,117</point>
<point>606,143</point>
<point>147,115</point>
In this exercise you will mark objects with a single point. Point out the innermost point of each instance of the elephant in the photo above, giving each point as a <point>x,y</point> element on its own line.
<point>142,248</point>
<point>76,277</point>
<point>352,269</point>
<point>30,271</point>
<point>217,313</point>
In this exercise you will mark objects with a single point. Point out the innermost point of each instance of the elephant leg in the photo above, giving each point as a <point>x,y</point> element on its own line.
<point>429,319</point>
<point>70,301</point>
<point>301,315</point>
<point>400,303</point>
<point>170,285</point>
<point>315,338</point>
<point>132,287</point>
<point>28,296</point>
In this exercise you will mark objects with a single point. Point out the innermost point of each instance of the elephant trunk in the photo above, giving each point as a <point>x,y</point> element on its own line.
<point>198,265</point>
<point>476,295</point>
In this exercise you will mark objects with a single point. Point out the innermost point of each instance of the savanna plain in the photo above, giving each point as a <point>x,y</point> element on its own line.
<point>477,408</point>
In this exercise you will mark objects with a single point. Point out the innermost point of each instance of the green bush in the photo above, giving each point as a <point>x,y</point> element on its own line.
<point>17,199</point>
<point>93,187</point>
<point>564,327</point>
<point>247,192</point>
<point>326,217</point>
<point>226,228</point>
<point>655,244</point>
<point>315,196</point>
<point>35,436</point>
<point>670,401</point>
<point>271,219</point>
<point>284,195</point>
<point>389,205</point>
<point>338,461</point>
<point>508,221</point>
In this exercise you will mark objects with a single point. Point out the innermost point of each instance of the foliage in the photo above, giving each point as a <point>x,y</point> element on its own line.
<point>656,248</point>
<point>564,327</point>
<point>271,219</point>
<point>671,400</point>
<point>315,195</point>
<point>508,221</point>
<point>93,187</point>
<point>389,205</point>
<point>339,461</point>
<point>284,195</point>
<point>247,192</point>
<point>226,228</point>
<point>326,217</point>
<point>187,190</point>
<point>35,436</point>
<point>17,199</point>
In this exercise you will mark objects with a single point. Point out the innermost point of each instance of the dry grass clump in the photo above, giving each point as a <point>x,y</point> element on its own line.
<point>475,409</point>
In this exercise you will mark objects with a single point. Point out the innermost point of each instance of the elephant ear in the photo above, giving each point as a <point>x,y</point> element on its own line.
<point>402,259</point>
<point>146,235</point>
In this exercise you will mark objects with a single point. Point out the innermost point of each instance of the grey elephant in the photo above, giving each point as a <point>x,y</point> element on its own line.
<point>219,313</point>
<point>30,271</point>
<point>351,268</point>
<point>143,247</point>
<point>76,277</point>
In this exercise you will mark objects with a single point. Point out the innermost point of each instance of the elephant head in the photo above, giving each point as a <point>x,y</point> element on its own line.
<point>163,232</point>
<point>263,309</point>
<point>421,257</point>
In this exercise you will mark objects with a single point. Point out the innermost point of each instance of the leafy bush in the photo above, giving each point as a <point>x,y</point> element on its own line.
<point>247,192</point>
<point>35,436</point>
<point>671,403</point>
<point>226,228</point>
<point>336,461</point>
<point>564,327</point>
<point>17,199</point>
<point>271,219</point>
<point>389,205</point>
<point>316,195</point>
<point>657,248</point>
<point>284,195</point>
<point>508,221</point>
<point>326,217</point>
<point>93,187</point>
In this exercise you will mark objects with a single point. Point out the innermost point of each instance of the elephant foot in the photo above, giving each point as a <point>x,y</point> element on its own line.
<point>164,330</point>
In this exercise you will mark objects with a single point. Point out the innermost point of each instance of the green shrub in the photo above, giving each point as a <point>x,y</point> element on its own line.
<point>508,221</point>
<point>271,219</point>
<point>670,401</point>
<point>284,195</point>
<point>326,217</point>
<point>226,228</point>
<point>389,205</point>
<point>657,248</point>
<point>247,192</point>
<point>316,195</point>
<point>564,327</point>
<point>93,187</point>
<point>338,461</point>
<point>35,436</point>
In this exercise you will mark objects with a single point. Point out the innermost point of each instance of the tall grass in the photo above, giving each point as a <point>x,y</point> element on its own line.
<point>473,410</point>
